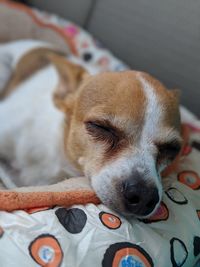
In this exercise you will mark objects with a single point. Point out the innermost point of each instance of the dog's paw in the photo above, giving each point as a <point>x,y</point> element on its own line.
<point>6,60</point>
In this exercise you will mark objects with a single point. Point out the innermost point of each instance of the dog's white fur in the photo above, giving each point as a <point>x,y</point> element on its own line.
<point>30,130</point>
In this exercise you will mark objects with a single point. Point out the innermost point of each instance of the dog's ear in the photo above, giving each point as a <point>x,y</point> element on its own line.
<point>31,62</point>
<point>71,76</point>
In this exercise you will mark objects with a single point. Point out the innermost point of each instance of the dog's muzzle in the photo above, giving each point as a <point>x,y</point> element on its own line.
<point>140,197</point>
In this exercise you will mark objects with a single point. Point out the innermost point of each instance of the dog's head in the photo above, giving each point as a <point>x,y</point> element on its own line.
<point>122,130</point>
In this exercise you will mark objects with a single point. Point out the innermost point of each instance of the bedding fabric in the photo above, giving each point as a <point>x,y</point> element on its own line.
<point>93,235</point>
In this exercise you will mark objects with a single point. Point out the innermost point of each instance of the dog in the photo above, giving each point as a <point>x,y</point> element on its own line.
<point>120,129</point>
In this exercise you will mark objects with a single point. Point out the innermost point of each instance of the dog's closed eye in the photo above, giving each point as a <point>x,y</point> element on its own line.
<point>168,151</point>
<point>103,131</point>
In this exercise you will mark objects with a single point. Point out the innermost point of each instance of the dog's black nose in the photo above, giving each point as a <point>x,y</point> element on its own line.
<point>140,198</point>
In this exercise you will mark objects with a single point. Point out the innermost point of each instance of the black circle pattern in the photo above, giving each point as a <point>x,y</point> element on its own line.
<point>181,199</point>
<point>73,220</point>
<point>177,262</point>
<point>196,244</point>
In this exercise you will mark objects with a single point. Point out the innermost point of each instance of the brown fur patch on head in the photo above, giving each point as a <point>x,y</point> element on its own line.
<point>116,99</point>
<point>113,95</point>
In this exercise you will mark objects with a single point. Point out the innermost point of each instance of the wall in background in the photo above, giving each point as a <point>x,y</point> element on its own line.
<point>160,37</point>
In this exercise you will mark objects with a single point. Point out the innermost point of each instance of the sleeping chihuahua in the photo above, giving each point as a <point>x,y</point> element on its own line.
<point>120,129</point>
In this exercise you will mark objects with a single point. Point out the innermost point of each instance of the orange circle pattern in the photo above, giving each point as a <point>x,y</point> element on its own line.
<point>46,251</point>
<point>109,220</point>
<point>189,178</point>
